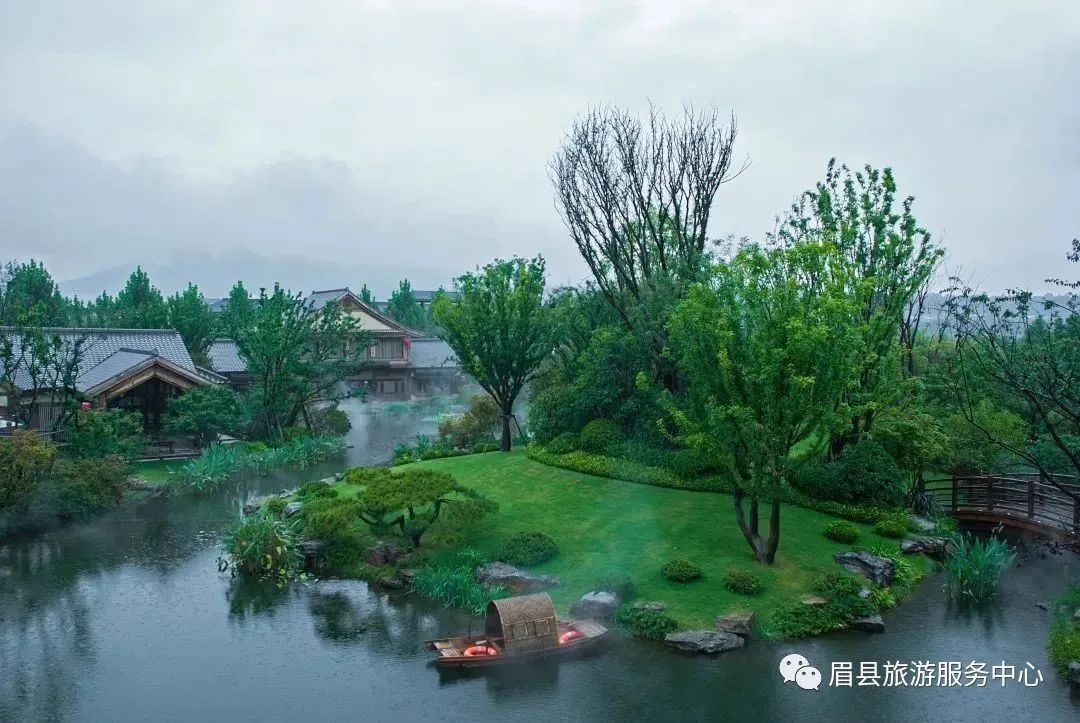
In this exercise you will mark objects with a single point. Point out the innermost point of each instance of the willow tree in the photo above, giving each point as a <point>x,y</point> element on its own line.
<point>767,350</point>
<point>883,261</point>
<point>498,329</point>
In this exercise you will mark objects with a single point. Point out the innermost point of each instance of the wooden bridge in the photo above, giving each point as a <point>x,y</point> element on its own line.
<point>1028,501</point>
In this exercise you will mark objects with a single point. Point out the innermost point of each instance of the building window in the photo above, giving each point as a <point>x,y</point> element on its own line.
<point>388,349</point>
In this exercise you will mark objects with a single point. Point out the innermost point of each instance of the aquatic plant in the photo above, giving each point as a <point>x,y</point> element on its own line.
<point>219,462</point>
<point>450,580</point>
<point>264,546</point>
<point>975,567</point>
<point>1063,644</point>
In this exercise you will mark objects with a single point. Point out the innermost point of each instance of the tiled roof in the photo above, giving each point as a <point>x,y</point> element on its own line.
<point>319,299</point>
<point>100,345</point>
<point>113,365</point>
<point>423,295</point>
<point>225,357</point>
<point>431,354</point>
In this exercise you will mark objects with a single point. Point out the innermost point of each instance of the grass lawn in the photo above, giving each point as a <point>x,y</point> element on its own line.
<point>605,526</point>
<point>156,472</point>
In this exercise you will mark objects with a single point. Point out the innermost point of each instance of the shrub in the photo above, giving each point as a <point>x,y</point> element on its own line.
<point>274,506</point>
<point>681,571</point>
<point>450,580</point>
<point>526,548</point>
<point>485,447</point>
<point>563,444</point>
<point>102,432</point>
<point>742,582</point>
<point>864,473</point>
<point>314,490</point>
<point>205,413</point>
<point>478,424</point>
<point>262,546</point>
<point>841,591</point>
<point>975,567</point>
<point>331,420</point>
<point>336,522</point>
<point>894,527</point>
<point>600,436</point>
<point>840,531</point>
<point>621,586</point>
<point>25,459</point>
<point>84,486</point>
<point>1063,644</point>
<point>645,623</point>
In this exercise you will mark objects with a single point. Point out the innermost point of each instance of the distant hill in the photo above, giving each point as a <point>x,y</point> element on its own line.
<point>216,274</point>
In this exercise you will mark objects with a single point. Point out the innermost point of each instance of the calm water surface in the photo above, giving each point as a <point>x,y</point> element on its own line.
<point>127,619</point>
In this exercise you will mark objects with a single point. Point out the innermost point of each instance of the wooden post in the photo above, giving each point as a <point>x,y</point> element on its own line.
<point>989,494</point>
<point>1031,498</point>
<point>954,483</point>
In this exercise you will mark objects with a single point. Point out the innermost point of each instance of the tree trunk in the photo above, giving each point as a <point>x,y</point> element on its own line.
<point>505,444</point>
<point>764,550</point>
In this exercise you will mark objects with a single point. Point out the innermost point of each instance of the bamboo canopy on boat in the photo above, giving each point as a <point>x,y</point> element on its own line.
<point>525,623</point>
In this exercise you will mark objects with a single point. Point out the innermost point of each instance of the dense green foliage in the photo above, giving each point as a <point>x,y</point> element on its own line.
<point>1063,644</point>
<point>415,499</point>
<point>742,582</point>
<point>25,462</point>
<point>975,566</point>
<point>330,420</point>
<point>864,472</point>
<point>840,531</point>
<point>402,307</point>
<point>477,425</point>
<point>497,329</point>
<point>204,413</point>
<point>80,488</point>
<point>891,527</point>
<point>262,546</point>
<point>621,586</point>
<point>190,315</point>
<point>600,436</point>
<point>450,580</point>
<point>104,432</point>
<point>680,571</point>
<point>219,462</point>
<point>526,548</point>
<point>646,623</point>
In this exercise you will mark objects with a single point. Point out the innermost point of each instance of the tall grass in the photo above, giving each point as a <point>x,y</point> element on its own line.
<point>450,580</point>
<point>219,462</point>
<point>975,567</point>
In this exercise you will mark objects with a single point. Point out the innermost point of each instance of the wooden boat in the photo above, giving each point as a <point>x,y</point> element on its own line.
<point>517,630</point>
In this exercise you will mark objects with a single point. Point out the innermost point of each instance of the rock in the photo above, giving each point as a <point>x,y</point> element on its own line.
<point>518,580</point>
<point>292,508</point>
<point>924,524</point>
<point>864,593</point>
<point>1076,615</point>
<point>408,575</point>
<point>1073,675</point>
<point>382,553</point>
<point>1042,606</point>
<point>393,583</point>
<point>869,624</point>
<point>310,549</point>
<point>595,605</point>
<point>877,569</point>
<point>813,600</point>
<point>656,607</point>
<point>704,641</point>
<point>252,507</point>
<point>937,547</point>
<point>740,624</point>
<point>286,494</point>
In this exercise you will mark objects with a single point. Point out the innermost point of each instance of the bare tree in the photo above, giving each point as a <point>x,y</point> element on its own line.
<point>636,197</point>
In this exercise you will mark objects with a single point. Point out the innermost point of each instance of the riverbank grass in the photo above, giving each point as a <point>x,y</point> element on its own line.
<point>606,527</point>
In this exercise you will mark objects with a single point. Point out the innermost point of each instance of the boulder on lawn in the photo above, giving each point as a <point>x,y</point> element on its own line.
<point>514,578</point>
<point>382,553</point>
<point>704,641</point>
<point>292,508</point>
<point>595,605</point>
<point>872,567</point>
<point>937,547</point>
<point>868,624</point>
<point>740,624</point>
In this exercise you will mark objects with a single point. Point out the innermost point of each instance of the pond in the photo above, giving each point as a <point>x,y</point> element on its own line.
<point>127,618</point>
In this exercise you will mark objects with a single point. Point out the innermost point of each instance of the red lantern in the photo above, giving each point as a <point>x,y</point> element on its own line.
<point>86,406</point>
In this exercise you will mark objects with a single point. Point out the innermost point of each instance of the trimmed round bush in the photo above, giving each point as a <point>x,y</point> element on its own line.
<point>526,548</point>
<point>621,586</point>
<point>563,444</point>
<point>865,473</point>
<point>742,582</point>
<point>840,531</point>
<point>681,571</point>
<point>645,622</point>
<point>600,436</point>
<point>891,527</point>
<point>274,506</point>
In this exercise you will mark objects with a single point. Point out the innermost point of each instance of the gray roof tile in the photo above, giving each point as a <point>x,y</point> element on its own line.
<point>225,357</point>
<point>431,354</point>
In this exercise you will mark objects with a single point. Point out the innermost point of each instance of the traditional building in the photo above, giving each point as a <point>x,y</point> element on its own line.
<point>134,369</point>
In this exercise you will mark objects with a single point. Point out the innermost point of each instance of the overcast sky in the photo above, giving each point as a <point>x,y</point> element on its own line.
<point>344,142</point>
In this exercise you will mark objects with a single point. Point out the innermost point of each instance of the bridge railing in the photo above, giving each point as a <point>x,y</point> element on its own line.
<point>1054,505</point>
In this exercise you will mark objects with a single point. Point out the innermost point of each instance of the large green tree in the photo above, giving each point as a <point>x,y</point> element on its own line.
<point>402,306</point>
<point>190,315</point>
<point>498,329</point>
<point>29,295</point>
<point>205,413</point>
<point>140,305</point>
<point>239,314</point>
<point>767,350</point>
<point>297,355</point>
<point>883,261</point>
